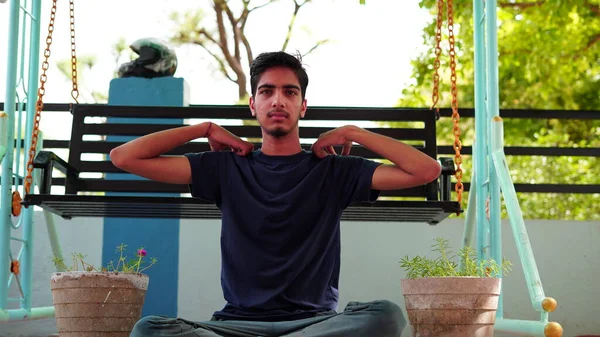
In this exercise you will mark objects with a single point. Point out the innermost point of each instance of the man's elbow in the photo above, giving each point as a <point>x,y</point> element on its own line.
<point>431,171</point>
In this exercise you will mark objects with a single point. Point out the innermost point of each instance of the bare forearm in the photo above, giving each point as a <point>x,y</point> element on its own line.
<point>156,144</point>
<point>405,157</point>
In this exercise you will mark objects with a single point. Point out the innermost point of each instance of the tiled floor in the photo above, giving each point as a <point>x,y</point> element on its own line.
<point>37,328</point>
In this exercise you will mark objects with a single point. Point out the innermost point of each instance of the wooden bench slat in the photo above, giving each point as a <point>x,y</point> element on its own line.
<point>69,206</point>
<point>249,131</point>
<point>102,147</point>
<point>243,112</point>
<point>135,185</point>
<point>127,122</point>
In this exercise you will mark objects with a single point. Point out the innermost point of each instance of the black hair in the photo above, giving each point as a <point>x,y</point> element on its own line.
<point>265,61</point>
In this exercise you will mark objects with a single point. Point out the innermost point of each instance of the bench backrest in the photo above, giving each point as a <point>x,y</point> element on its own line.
<point>99,128</point>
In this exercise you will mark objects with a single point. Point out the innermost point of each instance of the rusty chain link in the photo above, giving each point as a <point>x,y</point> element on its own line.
<point>436,63</point>
<point>75,91</point>
<point>457,145</point>
<point>39,106</point>
<point>455,115</point>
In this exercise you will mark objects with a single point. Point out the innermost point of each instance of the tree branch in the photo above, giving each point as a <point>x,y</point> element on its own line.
<point>248,49</point>
<point>208,35</point>
<point>222,67</point>
<point>222,33</point>
<point>292,21</point>
<point>258,7</point>
<point>592,42</point>
<point>235,29</point>
<point>521,5</point>
<point>317,45</point>
<point>234,60</point>
<point>201,32</point>
<point>243,19</point>
<point>593,7</point>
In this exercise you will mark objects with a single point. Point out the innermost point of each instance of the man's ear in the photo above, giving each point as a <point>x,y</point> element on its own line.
<point>303,111</point>
<point>251,104</point>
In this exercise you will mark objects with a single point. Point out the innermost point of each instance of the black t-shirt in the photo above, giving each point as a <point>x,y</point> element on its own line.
<point>280,236</point>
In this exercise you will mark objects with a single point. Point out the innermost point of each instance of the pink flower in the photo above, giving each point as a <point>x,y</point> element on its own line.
<point>141,252</point>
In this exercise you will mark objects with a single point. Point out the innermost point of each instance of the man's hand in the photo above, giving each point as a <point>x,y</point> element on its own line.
<point>220,139</point>
<point>339,136</point>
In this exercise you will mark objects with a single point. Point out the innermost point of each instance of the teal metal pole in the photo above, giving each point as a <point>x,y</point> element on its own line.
<point>532,278</point>
<point>22,314</point>
<point>469,230</point>
<point>50,222</point>
<point>495,212</point>
<point>7,162</point>
<point>528,328</point>
<point>480,156</point>
<point>3,134</point>
<point>34,51</point>
<point>470,225</point>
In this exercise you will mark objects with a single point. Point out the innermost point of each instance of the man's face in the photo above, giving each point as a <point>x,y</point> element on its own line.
<point>278,103</point>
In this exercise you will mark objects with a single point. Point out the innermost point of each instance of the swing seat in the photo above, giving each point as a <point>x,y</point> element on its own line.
<point>70,206</point>
<point>94,187</point>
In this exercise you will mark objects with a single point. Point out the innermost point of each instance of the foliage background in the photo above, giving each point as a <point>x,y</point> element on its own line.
<point>549,54</point>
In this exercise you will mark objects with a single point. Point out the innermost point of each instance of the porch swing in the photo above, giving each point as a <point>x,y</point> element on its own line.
<point>137,198</point>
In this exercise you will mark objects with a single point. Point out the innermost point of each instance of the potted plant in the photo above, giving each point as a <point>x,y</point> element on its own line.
<point>105,301</point>
<point>444,298</point>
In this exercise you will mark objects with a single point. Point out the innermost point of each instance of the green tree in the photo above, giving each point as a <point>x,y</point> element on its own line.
<point>86,63</point>
<point>224,37</point>
<point>548,59</point>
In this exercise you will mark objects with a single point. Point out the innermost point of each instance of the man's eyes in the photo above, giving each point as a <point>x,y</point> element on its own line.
<point>287,92</point>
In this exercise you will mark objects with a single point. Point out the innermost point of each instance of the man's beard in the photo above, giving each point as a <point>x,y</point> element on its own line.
<point>280,131</point>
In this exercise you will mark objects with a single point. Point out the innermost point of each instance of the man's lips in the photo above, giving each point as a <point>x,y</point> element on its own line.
<point>278,114</point>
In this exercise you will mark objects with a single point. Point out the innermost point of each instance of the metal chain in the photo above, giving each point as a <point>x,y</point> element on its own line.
<point>39,104</point>
<point>455,115</point>
<point>436,63</point>
<point>75,91</point>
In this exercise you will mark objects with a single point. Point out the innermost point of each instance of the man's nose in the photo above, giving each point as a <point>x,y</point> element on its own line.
<point>278,100</point>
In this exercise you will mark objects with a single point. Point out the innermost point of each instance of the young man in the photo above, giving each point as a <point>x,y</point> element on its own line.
<point>281,209</point>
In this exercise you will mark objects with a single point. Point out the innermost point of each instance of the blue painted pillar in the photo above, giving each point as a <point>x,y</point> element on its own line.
<point>160,237</point>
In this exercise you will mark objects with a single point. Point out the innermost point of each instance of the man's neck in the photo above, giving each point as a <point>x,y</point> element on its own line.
<point>284,146</point>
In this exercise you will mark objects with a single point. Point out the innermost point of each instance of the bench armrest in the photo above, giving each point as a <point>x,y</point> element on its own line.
<point>448,169</point>
<point>47,161</point>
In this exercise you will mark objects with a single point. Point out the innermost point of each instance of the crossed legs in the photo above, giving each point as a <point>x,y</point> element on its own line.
<point>359,319</point>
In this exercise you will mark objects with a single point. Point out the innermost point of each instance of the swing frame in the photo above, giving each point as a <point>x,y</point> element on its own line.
<point>490,177</point>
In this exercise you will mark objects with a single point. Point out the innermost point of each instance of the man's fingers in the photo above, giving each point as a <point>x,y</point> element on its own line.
<point>321,153</point>
<point>346,149</point>
<point>243,148</point>
<point>331,150</point>
<point>318,150</point>
<point>215,146</point>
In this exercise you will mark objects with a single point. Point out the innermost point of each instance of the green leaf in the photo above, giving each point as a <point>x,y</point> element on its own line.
<point>548,59</point>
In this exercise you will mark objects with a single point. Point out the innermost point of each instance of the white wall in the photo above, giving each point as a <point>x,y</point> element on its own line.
<point>566,253</point>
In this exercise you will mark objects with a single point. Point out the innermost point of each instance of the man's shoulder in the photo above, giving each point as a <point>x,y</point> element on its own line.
<point>349,159</point>
<point>210,155</point>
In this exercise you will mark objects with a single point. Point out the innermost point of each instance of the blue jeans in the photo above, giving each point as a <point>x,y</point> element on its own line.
<point>359,319</point>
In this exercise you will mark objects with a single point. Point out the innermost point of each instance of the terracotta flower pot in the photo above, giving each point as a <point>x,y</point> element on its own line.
<point>451,306</point>
<point>94,304</point>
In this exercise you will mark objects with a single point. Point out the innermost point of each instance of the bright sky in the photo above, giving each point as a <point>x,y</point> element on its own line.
<point>368,62</point>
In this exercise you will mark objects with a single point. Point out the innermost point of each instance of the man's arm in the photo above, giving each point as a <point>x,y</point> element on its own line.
<point>143,156</point>
<point>410,168</point>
